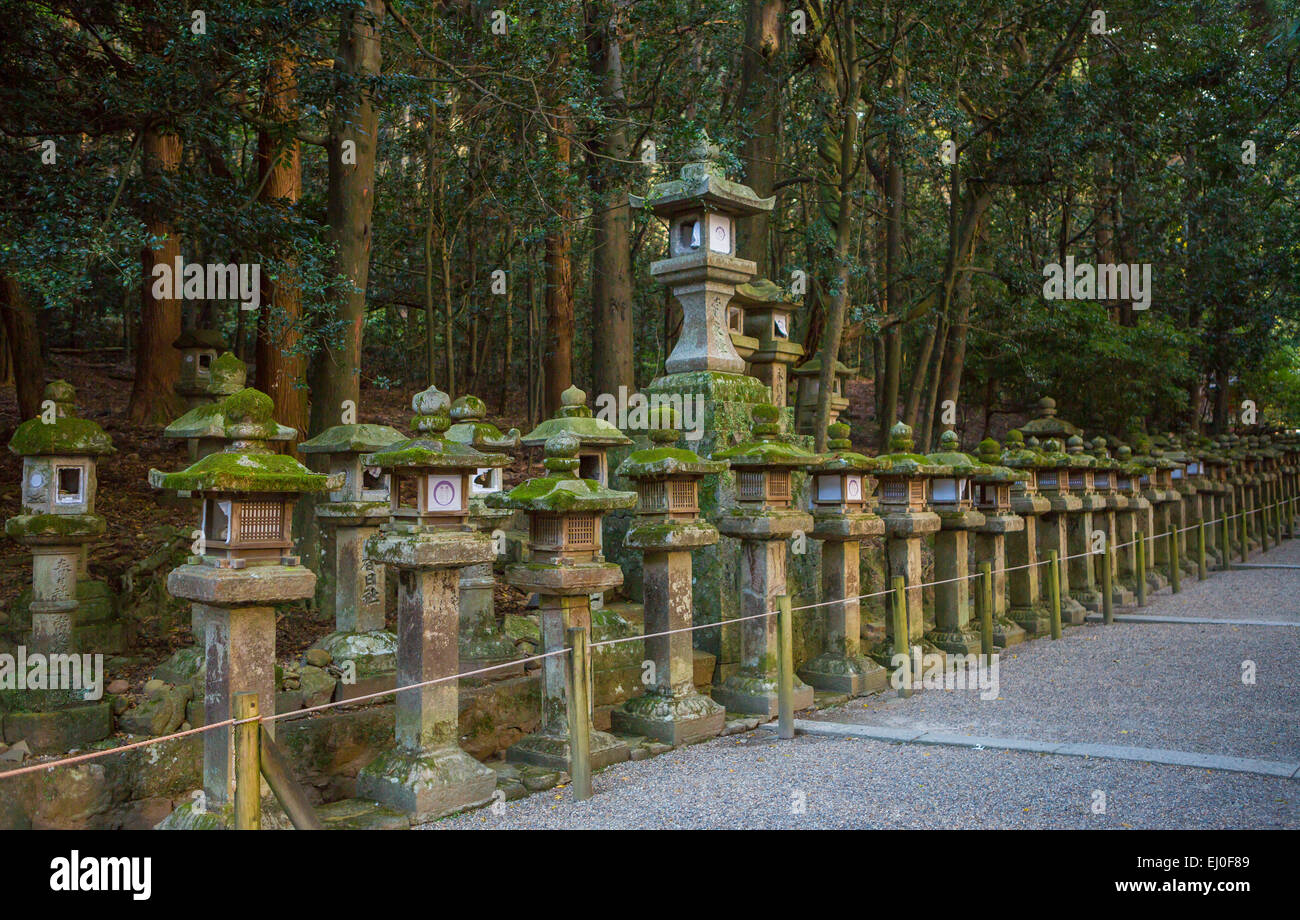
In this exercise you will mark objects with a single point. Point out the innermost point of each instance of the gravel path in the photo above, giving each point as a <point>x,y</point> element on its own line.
<point>1136,684</point>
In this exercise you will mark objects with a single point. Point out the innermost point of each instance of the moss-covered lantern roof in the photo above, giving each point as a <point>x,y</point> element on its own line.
<point>665,458</point>
<point>814,366</point>
<point>561,490</point>
<point>430,448</point>
<point>352,439</point>
<point>841,457</point>
<point>573,417</point>
<point>950,455</point>
<point>468,414</point>
<point>1017,454</point>
<point>209,421</point>
<point>1045,424</point>
<point>246,464</point>
<point>1079,459</point>
<point>767,448</point>
<point>703,183</point>
<point>990,455</point>
<point>64,434</point>
<point>902,460</point>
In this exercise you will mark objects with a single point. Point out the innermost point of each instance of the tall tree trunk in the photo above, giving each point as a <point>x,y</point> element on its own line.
<point>350,149</point>
<point>157,364</point>
<point>23,338</point>
<point>760,110</point>
<point>281,367</point>
<point>613,350</point>
<point>559,265</point>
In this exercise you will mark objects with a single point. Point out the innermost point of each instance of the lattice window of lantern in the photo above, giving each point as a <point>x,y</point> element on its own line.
<point>582,532</point>
<point>779,485</point>
<point>749,486</point>
<point>1102,480</point>
<point>546,532</point>
<point>1047,480</point>
<point>683,495</point>
<point>1076,480</point>
<point>260,520</point>
<point>651,495</point>
<point>916,491</point>
<point>893,491</point>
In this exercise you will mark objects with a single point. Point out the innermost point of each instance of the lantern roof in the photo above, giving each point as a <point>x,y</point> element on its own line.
<point>1051,455</point>
<point>576,419</point>
<point>951,455</point>
<point>842,458</point>
<point>1075,452</point>
<point>430,448</point>
<point>66,434</point>
<point>209,421</point>
<point>246,464</point>
<point>561,490</point>
<point>1102,459</point>
<point>1018,455</point>
<point>1045,424</point>
<point>1128,463</point>
<point>762,292</point>
<point>468,414</point>
<point>767,447</point>
<point>814,366</point>
<point>703,182</point>
<point>902,461</point>
<point>352,439</point>
<point>665,458</point>
<point>200,338</point>
<point>990,455</point>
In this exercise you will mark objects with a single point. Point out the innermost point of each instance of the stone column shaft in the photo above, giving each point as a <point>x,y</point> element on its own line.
<point>239,645</point>
<point>427,617</point>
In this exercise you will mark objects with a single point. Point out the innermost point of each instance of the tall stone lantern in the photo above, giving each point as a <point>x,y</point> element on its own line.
<point>842,516</point>
<point>1053,534</point>
<point>353,585</point>
<point>808,376</point>
<point>993,499</point>
<point>1080,527</point>
<point>769,318</point>
<point>762,520</point>
<point>1158,489</point>
<point>702,269</point>
<point>482,644</point>
<point>428,542</point>
<point>951,497</point>
<point>667,528</point>
<point>566,565</point>
<point>1132,518</point>
<point>1185,509</point>
<point>1105,478</point>
<point>905,480</point>
<point>57,523</point>
<point>1028,609</point>
<point>247,494</point>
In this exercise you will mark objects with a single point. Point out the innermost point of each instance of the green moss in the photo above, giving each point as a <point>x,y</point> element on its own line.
<point>664,461</point>
<point>243,472</point>
<point>54,525</point>
<point>433,452</point>
<point>355,439</point>
<point>66,436</point>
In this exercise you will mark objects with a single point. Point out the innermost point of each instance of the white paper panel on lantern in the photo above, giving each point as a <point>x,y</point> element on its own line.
<point>486,480</point>
<point>1178,474</point>
<point>1193,469</point>
<point>828,489</point>
<point>442,493</point>
<point>781,326</point>
<point>944,490</point>
<point>720,233</point>
<point>853,488</point>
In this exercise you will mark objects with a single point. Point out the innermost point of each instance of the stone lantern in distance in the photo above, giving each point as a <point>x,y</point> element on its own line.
<point>809,378</point>
<point>58,521</point>
<point>769,320</point>
<point>840,495</point>
<point>666,528</point>
<point>951,499</point>
<point>201,379</point>
<point>993,500</point>
<point>1025,586</point>
<point>352,587</point>
<point>566,565</point>
<point>763,520</point>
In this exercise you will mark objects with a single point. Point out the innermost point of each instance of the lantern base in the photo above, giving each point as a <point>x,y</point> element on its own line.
<point>955,641</point>
<point>1007,632</point>
<point>1035,620</point>
<point>672,720</point>
<point>372,653</point>
<point>851,674</point>
<point>551,750</point>
<point>429,784</point>
<point>755,693</point>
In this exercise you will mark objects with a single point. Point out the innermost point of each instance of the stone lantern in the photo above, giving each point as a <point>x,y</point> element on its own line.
<point>1135,517</point>
<point>701,208</point>
<point>842,516</point>
<point>566,565</point>
<point>1028,609</point>
<point>993,491</point>
<point>762,520</point>
<point>1054,483</point>
<point>595,435</point>
<point>352,586</point>
<point>428,542</point>
<point>247,494</point>
<point>951,497</point>
<point>905,480</point>
<point>1184,510</point>
<point>666,529</point>
<point>1080,526</point>
<point>69,612</point>
<point>1158,489</point>
<point>481,643</point>
<point>808,376</point>
<point>769,319</point>
<point>1105,476</point>
<point>203,426</point>
<point>204,376</point>
<point>1213,486</point>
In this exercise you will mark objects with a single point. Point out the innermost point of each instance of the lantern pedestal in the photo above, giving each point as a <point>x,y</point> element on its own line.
<point>1053,534</point>
<point>480,643</point>
<point>1028,608</point>
<point>559,612</point>
<point>753,688</point>
<point>236,608</point>
<point>671,710</point>
<point>842,668</point>
<point>1082,577</point>
<point>991,546</point>
<point>905,530</point>
<point>953,631</point>
<point>427,775</point>
<point>355,593</point>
